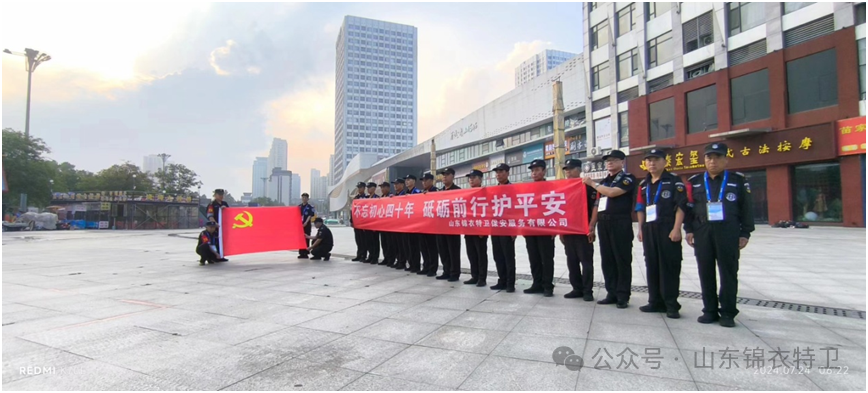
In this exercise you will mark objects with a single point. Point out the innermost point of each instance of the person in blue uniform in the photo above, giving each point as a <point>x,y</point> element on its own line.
<point>412,240</point>
<point>477,245</point>
<point>207,244</point>
<point>213,214</point>
<point>615,228</point>
<point>541,248</point>
<point>503,247</point>
<point>718,228</point>
<point>428,242</point>
<point>580,248</point>
<point>401,254</point>
<point>387,239</point>
<point>449,246</point>
<point>323,242</point>
<point>661,204</point>
<point>361,245</point>
<point>373,236</point>
<point>308,214</point>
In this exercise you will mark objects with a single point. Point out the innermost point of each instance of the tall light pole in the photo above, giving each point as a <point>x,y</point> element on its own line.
<point>165,157</point>
<point>32,59</point>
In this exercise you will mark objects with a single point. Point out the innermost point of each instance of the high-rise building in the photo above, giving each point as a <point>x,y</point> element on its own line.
<point>296,189</point>
<point>376,85</point>
<point>331,178</point>
<point>280,186</point>
<point>277,159</point>
<point>318,185</point>
<point>260,175</point>
<point>152,164</point>
<point>539,64</point>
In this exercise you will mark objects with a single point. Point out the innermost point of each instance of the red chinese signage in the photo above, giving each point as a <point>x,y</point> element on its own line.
<point>536,208</point>
<point>851,136</point>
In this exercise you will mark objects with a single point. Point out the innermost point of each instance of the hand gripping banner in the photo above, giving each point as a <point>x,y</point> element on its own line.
<point>246,230</point>
<point>536,208</point>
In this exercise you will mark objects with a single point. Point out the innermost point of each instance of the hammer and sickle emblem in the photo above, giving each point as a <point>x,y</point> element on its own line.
<point>243,220</point>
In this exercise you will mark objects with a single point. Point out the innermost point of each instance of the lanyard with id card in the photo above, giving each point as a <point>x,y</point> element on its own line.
<point>651,210</point>
<point>604,200</point>
<point>715,209</point>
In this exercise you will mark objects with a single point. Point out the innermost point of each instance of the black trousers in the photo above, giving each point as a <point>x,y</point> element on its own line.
<point>411,248</point>
<point>717,243</point>
<point>662,264</point>
<point>580,261</point>
<point>503,248</point>
<point>373,242</point>
<point>303,252</point>
<point>321,252</point>
<point>477,253</point>
<point>400,249</point>
<point>428,245</point>
<point>449,248</point>
<point>205,253</point>
<point>541,252</point>
<point>389,252</point>
<point>361,249</point>
<point>616,249</point>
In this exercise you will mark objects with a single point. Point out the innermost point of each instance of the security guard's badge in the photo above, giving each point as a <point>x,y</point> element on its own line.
<point>730,197</point>
<point>601,205</point>
<point>666,194</point>
<point>715,211</point>
<point>650,213</point>
<point>626,182</point>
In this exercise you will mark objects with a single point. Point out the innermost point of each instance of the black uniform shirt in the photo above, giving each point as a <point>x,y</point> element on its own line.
<point>307,211</point>
<point>592,201</point>
<point>737,204</point>
<point>325,234</point>
<point>452,187</point>
<point>672,196</point>
<point>414,191</point>
<point>433,189</point>
<point>621,205</point>
<point>214,210</point>
<point>207,238</point>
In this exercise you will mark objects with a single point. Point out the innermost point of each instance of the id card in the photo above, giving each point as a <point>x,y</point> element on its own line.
<point>715,211</point>
<point>651,213</point>
<point>601,206</point>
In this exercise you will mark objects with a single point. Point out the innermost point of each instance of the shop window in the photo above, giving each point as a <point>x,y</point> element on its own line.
<point>702,109</point>
<point>817,193</point>
<point>750,97</point>
<point>662,119</point>
<point>812,82</point>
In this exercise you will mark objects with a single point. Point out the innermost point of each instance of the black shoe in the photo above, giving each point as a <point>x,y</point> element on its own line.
<point>727,322</point>
<point>412,270</point>
<point>400,266</point>
<point>607,301</point>
<point>573,295</point>
<point>673,314</point>
<point>481,284</point>
<point>472,281</point>
<point>432,274</point>
<point>498,287</point>
<point>443,277</point>
<point>373,262</point>
<point>314,258</point>
<point>548,292</point>
<point>422,273</point>
<point>534,290</point>
<point>201,263</point>
<point>383,263</point>
<point>510,289</point>
<point>651,308</point>
<point>356,259</point>
<point>708,318</point>
<point>622,305</point>
<point>589,297</point>
<point>327,257</point>
<point>302,257</point>
<point>222,260</point>
<point>452,279</point>
<point>201,260</point>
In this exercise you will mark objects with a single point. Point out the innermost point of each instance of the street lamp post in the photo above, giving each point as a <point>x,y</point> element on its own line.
<point>33,58</point>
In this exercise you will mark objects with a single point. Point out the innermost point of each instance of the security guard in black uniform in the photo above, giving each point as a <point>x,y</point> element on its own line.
<point>541,248</point>
<point>361,248</point>
<point>449,246</point>
<point>213,215</point>
<point>503,247</point>
<point>661,204</point>
<point>401,251</point>
<point>386,238</point>
<point>207,244</point>
<point>718,227</point>
<point>308,214</point>
<point>615,222</point>
<point>580,248</point>
<point>411,240</point>
<point>477,246</point>
<point>428,242</point>
<point>373,236</point>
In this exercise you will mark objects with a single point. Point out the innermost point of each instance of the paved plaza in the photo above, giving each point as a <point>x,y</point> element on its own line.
<point>133,310</point>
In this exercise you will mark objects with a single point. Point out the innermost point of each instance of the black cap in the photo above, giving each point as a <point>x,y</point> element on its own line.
<point>318,219</point>
<point>655,153</point>
<point>573,163</point>
<point>385,184</point>
<point>501,167</point>
<point>446,171</point>
<point>614,154</point>
<point>360,184</point>
<point>219,191</point>
<point>537,163</point>
<point>372,185</point>
<point>475,172</point>
<point>410,177</point>
<point>305,195</point>
<point>717,148</point>
<point>398,181</point>
<point>427,175</point>
<point>210,224</point>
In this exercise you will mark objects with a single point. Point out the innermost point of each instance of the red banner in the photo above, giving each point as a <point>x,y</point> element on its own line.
<point>851,136</point>
<point>247,230</point>
<point>535,208</point>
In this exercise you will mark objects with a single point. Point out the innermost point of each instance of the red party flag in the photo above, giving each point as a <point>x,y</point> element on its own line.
<point>247,230</point>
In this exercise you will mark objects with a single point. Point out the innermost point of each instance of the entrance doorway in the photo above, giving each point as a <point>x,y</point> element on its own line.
<point>757,180</point>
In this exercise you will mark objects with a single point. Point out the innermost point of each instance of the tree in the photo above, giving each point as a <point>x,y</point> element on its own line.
<point>120,177</point>
<point>264,201</point>
<point>67,178</point>
<point>27,171</point>
<point>177,179</point>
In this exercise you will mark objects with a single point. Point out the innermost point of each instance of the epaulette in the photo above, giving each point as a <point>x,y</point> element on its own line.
<point>642,183</point>
<point>693,177</point>
<point>628,174</point>
<point>739,173</point>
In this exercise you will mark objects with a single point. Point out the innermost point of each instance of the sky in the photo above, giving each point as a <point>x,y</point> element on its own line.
<point>212,83</point>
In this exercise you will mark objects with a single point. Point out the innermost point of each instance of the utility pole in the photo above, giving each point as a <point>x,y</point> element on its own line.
<point>558,118</point>
<point>433,166</point>
<point>32,59</point>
